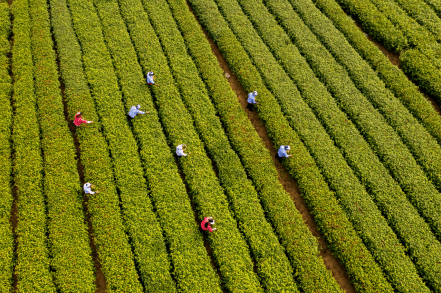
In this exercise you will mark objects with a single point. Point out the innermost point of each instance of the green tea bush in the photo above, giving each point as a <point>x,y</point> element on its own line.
<point>273,266</point>
<point>394,78</point>
<point>109,235</point>
<point>329,216</point>
<point>193,271</point>
<point>6,237</point>
<point>71,259</point>
<point>32,266</point>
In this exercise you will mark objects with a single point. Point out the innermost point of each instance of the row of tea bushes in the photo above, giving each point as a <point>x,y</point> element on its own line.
<point>113,248</point>
<point>329,216</point>
<point>6,199</point>
<point>70,253</point>
<point>186,248</point>
<point>33,264</point>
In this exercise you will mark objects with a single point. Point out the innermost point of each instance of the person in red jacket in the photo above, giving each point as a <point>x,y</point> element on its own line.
<point>206,224</point>
<point>79,120</point>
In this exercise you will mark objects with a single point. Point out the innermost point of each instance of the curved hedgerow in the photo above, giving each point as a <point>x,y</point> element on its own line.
<point>113,248</point>
<point>6,237</point>
<point>421,13</point>
<point>280,209</point>
<point>167,190</point>
<point>330,218</point>
<point>422,71</point>
<point>273,267</point>
<point>71,255</point>
<point>412,30</point>
<point>386,193</point>
<point>394,78</point>
<point>388,145</point>
<point>371,225</point>
<point>143,229</point>
<point>33,265</point>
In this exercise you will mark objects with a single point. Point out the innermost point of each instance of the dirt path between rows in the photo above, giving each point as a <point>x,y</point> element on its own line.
<point>394,58</point>
<point>14,211</point>
<point>100,279</point>
<point>290,186</point>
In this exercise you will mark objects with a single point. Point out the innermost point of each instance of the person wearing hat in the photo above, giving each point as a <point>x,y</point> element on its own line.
<point>150,78</point>
<point>206,224</point>
<point>180,149</point>
<point>135,111</point>
<point>79,120</point>
<point>283,152</point>
<point>87,187</point>
<point>251,100</point>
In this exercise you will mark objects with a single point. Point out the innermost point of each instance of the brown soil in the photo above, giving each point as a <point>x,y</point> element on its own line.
<point>290,186</point>
<point>394,58</point>
<point>100,279</point>
<point>432,101</point>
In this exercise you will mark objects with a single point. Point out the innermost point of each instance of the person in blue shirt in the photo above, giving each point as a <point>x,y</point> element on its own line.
<point>135,111</point>
<point>150,78</point>
<point>283,152</point>
<point>251,100</point>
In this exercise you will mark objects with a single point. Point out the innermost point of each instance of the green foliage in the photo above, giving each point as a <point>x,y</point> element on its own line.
<point>375,23</point>
<point>372,227</point>
<point>436,5</point>
<point>393,77</point>
<point>421,13</point>
<point>422,71</point>
<point>32,267</point>
<point>273,267</point>
<point>6,238</point>
<point>278,205</point>
<point>414,32</point>
<point>387,193</point>
<point>141,224</point>
<point>328,215</point>
<point>192,268</point>
<point>110,238</point>
<point>230,251</point>
<point>70,252</point>
<point>390,148</point>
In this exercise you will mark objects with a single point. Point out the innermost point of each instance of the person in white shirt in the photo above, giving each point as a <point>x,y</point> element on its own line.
<point>150,78</point>
<point>180,150</point>
<point>87,187</point>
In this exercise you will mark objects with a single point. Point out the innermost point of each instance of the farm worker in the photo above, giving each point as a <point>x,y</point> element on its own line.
<point>135,111</point>
<point>88,188</point>
<point>180,150</point>
<point>283,152</point>
<point>150,78</point>
<point>206,224</point>
<point>79,120</point>
<point>251,100</point>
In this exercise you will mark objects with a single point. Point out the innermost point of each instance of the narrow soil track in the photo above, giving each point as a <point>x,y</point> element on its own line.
<point>290,186</point>
<point>100,280</point>
<point>394,58</point>
<point>14,211</point>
